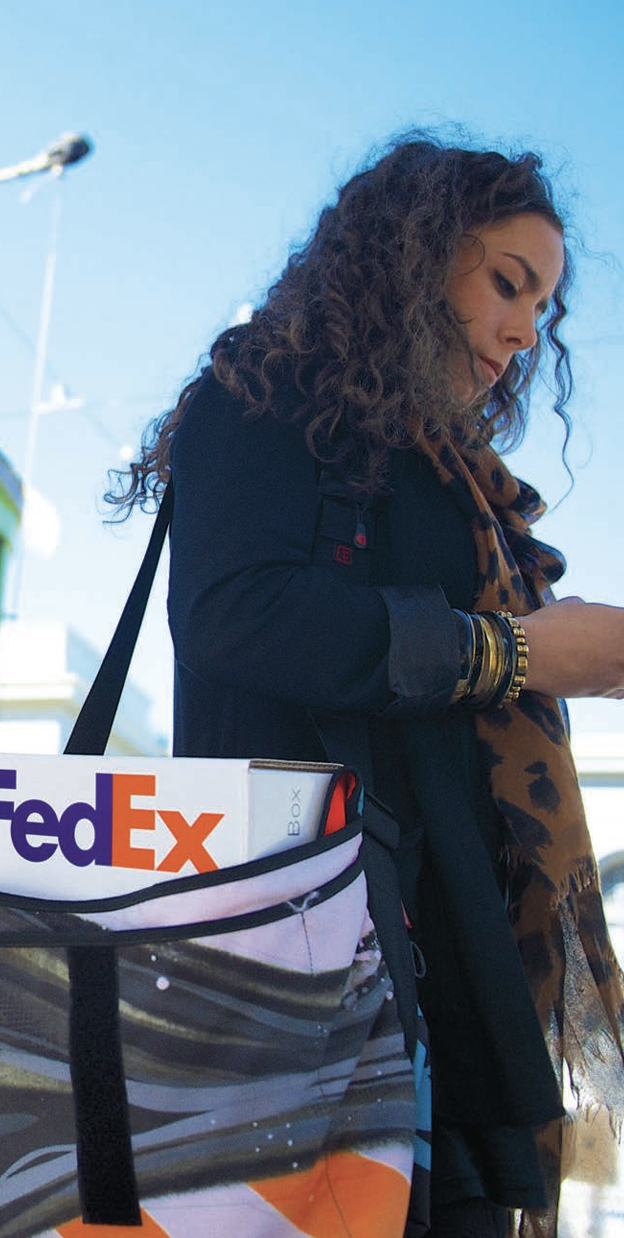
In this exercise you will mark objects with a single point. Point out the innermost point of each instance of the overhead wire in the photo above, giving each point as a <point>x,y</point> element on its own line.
<point>53,375</point>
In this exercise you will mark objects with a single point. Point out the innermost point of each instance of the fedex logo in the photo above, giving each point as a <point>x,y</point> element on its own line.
<point>38,831</point>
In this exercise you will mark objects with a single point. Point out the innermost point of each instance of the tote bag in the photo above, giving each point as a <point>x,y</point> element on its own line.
<point>196,1051</point>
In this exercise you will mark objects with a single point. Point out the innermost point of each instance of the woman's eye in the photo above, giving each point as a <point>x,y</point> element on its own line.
<point>505,285</point>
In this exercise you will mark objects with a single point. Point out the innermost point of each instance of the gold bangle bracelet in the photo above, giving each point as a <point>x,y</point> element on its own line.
<point>478,692</point>
<point>493,669</point>
<point>522,655</point>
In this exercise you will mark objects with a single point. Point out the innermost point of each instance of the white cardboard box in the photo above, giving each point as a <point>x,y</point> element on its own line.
<point>77,827</point>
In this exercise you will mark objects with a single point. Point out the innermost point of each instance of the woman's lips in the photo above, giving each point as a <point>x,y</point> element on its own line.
<point>493,369</point>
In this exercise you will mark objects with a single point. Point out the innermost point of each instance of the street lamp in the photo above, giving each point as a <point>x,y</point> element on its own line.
<point>69,149</point>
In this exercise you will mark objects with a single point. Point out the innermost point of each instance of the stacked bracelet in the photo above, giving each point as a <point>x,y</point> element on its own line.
<point>522,655</point>
<point>467,654</point>
<point>493,658</point>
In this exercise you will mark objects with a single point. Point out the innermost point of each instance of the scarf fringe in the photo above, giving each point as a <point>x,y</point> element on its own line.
<point>583,877</point>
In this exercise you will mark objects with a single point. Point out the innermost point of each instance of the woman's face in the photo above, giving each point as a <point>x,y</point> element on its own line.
<point>500,283</point>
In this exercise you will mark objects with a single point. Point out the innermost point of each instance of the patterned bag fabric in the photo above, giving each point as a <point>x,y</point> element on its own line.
<point>218,1053</point>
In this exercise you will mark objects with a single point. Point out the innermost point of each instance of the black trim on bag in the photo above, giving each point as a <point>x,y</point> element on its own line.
<point>81,933</point>
<point>199,881</point>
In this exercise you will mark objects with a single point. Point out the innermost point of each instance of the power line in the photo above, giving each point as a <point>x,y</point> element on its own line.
<point>53,374</point>
<point>21,335</point>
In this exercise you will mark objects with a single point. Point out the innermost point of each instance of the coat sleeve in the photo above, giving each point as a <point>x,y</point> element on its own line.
<point>246,605</point>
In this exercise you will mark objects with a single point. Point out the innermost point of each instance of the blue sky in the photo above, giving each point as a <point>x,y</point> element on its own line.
<point>219,133</point>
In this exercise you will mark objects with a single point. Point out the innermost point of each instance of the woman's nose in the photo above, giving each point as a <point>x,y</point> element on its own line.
<point>521,329</point>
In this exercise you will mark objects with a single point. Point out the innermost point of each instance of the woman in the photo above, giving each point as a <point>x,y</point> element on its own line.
<point>343,537</point>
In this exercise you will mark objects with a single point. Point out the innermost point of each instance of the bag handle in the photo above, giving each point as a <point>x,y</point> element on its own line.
<point>94,723</point>
<point>107,1181</point>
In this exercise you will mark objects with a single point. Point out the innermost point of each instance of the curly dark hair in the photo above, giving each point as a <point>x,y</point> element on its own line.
<point>359,324</point>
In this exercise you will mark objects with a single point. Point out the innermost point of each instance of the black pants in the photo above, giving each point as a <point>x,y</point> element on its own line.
<point>470,1218</point>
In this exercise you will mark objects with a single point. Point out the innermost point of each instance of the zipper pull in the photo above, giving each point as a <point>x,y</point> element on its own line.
<point>360,539</point>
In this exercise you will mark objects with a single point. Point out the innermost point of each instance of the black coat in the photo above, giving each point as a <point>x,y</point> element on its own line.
<point>276,618</point>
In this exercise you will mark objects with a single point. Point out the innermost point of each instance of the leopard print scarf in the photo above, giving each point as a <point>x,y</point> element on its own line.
<point>555,904</point>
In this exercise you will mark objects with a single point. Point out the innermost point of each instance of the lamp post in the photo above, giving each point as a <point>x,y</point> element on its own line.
<point>69,149</point>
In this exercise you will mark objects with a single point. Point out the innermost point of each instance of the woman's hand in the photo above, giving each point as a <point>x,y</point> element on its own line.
<point>576,648</point>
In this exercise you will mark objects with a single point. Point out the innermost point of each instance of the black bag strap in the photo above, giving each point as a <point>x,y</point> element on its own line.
<point>94,723</point>
<point>106,1177</point>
